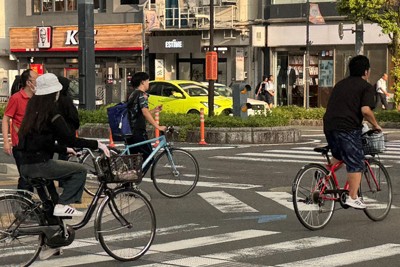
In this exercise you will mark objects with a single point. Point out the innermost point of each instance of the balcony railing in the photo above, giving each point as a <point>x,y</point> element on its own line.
<point>196,17</point>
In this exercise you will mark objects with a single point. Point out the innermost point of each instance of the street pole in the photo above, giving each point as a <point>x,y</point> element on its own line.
<point>307,65</point>
<point>359,37</point>
<point>86,57</point>
<point>211,49</point>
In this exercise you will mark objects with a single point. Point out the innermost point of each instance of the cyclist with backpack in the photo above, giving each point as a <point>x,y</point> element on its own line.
<point>139,113</point>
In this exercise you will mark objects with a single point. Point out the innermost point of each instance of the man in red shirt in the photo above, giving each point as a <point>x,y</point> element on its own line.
<point>15,111</point>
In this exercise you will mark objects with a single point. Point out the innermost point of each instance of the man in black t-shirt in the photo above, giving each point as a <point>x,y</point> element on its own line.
<point>351,101</point>
<point>138,106</point>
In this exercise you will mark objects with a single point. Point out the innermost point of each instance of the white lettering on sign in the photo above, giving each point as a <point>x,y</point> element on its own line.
<point>72,37</point>
<point>174,44</point>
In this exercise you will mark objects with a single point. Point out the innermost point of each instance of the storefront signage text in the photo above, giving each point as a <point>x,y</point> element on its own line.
<point>72,37</point>
<point>174,44</point>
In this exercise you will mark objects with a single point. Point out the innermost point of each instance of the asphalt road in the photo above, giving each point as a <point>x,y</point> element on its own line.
<point>241,214</point>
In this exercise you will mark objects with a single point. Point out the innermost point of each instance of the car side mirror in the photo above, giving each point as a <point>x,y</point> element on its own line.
<point>177,95</point>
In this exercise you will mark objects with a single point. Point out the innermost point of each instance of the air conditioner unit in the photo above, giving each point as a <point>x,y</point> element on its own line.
<point>229,2</point>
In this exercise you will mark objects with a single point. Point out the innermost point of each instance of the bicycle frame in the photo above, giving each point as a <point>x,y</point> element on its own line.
<point>162,144</point>
<point>332,176</point>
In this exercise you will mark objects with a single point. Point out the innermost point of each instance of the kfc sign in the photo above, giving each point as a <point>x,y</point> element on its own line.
<point>72,37</point>
<point>44,35</point>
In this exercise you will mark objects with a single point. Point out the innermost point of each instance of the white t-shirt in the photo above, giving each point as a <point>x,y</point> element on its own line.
<point>381,86</point>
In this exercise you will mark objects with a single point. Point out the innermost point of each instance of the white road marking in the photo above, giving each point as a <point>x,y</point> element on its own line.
<point>283,198</point>
<point>265,159</point>
<point>225,202</point>
<point>348,258</point>
<point>272,249</point>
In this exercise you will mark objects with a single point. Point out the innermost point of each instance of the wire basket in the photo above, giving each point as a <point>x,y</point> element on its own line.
<point>121,168</point>
<point>373,143</point>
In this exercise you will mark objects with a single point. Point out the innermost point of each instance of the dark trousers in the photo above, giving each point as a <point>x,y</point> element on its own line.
<point>381,100</point>
<point>22,183</point>
<point>145,149</point>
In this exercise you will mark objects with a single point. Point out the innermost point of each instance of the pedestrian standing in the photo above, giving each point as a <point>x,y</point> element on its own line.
<point>270,91</point>
<point>15,111</point>
<point>381,92</point>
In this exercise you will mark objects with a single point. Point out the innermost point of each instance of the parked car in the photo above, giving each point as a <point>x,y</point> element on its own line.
<point>256,107</point>
<point>181,96</point>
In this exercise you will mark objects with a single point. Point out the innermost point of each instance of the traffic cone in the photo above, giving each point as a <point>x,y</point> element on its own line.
<point>111,140</point>
<point>202,140</point>
<point>76,134</point>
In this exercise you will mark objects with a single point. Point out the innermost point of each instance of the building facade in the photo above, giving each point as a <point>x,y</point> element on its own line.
<point>329,54</point>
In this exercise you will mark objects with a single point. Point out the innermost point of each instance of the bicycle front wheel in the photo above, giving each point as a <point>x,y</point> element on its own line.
<point>17,249</point>
<point>126,225</point>
<point>175,173</point>
<point>377,193</point>
<point>313,206</point>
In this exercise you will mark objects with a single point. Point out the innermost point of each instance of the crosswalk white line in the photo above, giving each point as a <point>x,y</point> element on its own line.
<point>348,258</point>
<point>218,185</point>
<point>265,159</point>
<point>225,202</point>
<point>283,198</point>
<point>280,156</point>
<point>272,249</point>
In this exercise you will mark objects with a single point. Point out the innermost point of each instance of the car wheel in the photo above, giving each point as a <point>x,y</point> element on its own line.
<point>193,111</point>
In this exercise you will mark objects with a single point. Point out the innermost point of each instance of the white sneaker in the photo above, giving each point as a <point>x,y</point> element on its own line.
<point>357,203</point>
<point>47,252</point>
<point>65,210</point>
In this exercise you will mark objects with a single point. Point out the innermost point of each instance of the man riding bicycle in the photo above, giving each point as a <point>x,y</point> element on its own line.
<point>351,101</point>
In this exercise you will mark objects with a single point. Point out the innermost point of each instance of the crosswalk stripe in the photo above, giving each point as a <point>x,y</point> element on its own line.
<point>272,249</point>
<point>225,202</point>
<point>279,156</point>
<point>283,198</point>
<point>265,159</point>
<point>348,258</point>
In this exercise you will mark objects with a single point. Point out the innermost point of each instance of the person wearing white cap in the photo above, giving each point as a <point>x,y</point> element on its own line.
<point>41,128</point>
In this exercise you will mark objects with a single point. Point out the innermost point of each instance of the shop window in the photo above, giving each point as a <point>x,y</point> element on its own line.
<point>45,6</point>
<point>279,2</point>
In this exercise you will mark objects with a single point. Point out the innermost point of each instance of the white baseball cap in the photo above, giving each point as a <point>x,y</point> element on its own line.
<point>47,84</point>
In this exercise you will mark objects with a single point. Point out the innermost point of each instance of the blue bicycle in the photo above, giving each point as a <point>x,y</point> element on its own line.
<point>174,171</point>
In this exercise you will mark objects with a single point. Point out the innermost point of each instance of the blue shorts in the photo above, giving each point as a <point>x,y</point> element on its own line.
<point>347,146</point>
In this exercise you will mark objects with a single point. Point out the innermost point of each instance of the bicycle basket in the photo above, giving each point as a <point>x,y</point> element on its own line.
<point>373,143</point>
<point>121,168</point>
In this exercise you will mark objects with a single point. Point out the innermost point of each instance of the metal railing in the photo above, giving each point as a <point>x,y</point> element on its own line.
<point>196,17</point>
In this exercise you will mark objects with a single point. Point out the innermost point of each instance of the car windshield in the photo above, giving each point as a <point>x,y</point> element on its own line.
<point>193,89</point>
<point>223,90</point>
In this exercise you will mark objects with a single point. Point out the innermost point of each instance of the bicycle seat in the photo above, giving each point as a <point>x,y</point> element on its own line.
<point>324,150</point>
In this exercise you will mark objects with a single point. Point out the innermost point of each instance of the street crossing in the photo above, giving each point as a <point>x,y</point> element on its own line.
<point>305,154</point>
<point>172,253</point>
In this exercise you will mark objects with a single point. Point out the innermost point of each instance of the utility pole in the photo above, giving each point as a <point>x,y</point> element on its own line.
<point>211,48</point>
<point>307,65</point>
<point>359,37</point>
<point>86,56</point>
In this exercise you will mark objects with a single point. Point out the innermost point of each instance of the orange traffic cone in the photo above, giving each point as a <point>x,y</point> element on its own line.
<point>157,132</point>
<point>111,140</point>
<point>202,139</point>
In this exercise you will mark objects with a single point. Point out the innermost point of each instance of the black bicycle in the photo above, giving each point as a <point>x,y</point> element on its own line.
<point>125,223</point>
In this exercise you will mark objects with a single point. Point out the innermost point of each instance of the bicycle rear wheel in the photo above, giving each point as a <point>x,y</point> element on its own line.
<point>92,183</point>
<point>313,208</point>
<point>377,194</point>
<point>126,225</point>
<point>175,173</point>
<point>16,213</point>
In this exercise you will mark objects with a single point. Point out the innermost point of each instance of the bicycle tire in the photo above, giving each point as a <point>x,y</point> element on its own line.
<point>92,183</point>
<point>313,211</point>
<point>175,183</point>
<point>129,242</point>
<point>15,248</point>
<point>378,202</point>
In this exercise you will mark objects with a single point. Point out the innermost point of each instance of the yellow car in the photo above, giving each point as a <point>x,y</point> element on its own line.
<point>188,97</point>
